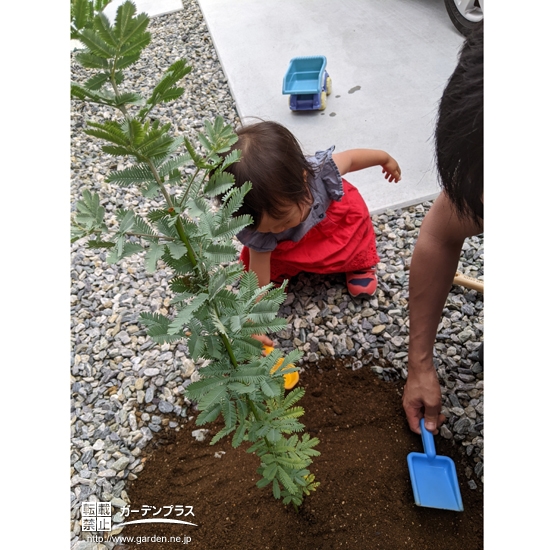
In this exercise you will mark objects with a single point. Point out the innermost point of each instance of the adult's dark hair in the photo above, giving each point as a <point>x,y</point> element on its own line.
<point>459,131</point>
<point>272,160</point>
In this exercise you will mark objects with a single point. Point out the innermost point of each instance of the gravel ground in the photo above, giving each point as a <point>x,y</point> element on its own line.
<point>124,386</point>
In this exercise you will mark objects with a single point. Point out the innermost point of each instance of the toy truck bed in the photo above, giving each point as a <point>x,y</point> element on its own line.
<point>308,83</point>
<point>305,75</point>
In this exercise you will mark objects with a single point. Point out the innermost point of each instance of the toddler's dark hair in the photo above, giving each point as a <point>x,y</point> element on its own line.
<point>272,160</point>
<point>459,131</point>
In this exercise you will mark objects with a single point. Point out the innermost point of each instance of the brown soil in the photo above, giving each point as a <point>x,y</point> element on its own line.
<point>365,499</point>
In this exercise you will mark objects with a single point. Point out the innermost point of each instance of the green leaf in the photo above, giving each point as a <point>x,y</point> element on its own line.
<point>213,396</point>
<point>198,207</point>
<point>262,483</point>
<point>222,433</point>
<point>239,435</point>
<point>286,480</point>
<point>219,183</point>
<point>77,234</point>
<point>80,13</point>
<point>293,397</point>
<point>116,151</point>
<point>270,471</point>
<point>214,346</point>
<point>196,345</point>
<point>97,81</point>
<point>275,325</point>
<point>229,414</point>
<point>134,175</point>
<point>208,415</point>
<point>126,221</point>
<point>130,29</point>
<point>127,60</point>
<point>155,145</point>
<point>96,44</point>
<point>203,386</point>
<point>273,435</point>
<point>90,212</point>
<point>248,286</point>
<point>99,5</point>
<point>135,47</point>
<point>109,131</point>
<point>220,135</point>
<point>235,323</point>
<point>129,98</point>
<point>173,164</point>
<point>220,253</point>
<point>177,250</point>
<point>268,389</point>
<point>242,409</point>
<point>182,266</point>
<point>181,297</point>
<point>165,90</point>
<point>231,158</point>
<point>240,388</point>
<point>179,285</point>
<point>197,159</point>
<point>134,131</point>
<point>127,249</point>
<point>276,489</point>
<point>157,327</point>
<point>250,375</point>
<point>155,215</point>
<point>152,256</point>
<point>103,96</point>
<point>102,26</point>
<point>91,61</point>
<point>166,227</point>
<point>186,313</point>
<point>249,346</point>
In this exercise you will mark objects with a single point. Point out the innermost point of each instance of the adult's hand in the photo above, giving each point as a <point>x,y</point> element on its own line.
<point>422,399</point>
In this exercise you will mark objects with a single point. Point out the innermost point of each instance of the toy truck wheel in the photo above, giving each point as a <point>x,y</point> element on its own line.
<point>323,101</point>
<point>329,85</point>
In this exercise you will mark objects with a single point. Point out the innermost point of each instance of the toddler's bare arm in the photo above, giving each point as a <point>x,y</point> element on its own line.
<point>359,159</point>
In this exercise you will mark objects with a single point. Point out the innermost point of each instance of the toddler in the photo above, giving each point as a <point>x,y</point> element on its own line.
<point>306,217</point>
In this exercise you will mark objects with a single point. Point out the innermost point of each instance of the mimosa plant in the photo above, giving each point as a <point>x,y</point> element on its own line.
<point>217,305</point>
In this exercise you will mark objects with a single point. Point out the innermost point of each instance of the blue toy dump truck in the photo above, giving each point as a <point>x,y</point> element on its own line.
<point>308,83</point>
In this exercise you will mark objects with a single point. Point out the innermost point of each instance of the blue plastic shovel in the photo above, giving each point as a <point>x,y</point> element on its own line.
<point>433,477</point>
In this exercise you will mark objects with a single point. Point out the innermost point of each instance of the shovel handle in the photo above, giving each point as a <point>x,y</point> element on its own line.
<point>468,282</point>
<point>427,440</point>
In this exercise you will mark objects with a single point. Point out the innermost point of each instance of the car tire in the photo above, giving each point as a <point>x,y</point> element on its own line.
<point>466,16</point>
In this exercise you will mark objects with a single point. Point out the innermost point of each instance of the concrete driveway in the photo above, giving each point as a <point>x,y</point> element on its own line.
<point>389,61</point>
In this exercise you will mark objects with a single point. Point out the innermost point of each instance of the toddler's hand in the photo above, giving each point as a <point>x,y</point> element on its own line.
<point>392,170</point>
<point>265,340</point>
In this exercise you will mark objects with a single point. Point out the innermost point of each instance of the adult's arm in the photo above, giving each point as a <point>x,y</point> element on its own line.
<point>433,267</point>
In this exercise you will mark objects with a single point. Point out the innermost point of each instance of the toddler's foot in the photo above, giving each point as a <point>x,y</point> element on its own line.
<point>362,282</point>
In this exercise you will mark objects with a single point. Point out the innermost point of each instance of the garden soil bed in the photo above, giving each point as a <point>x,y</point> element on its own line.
<point>365,499</point>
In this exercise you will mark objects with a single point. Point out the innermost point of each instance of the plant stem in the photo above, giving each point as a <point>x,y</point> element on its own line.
<point>179,224</point>
<point>182,202</point>
<point>229,349</point>
<point>146,236</point>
